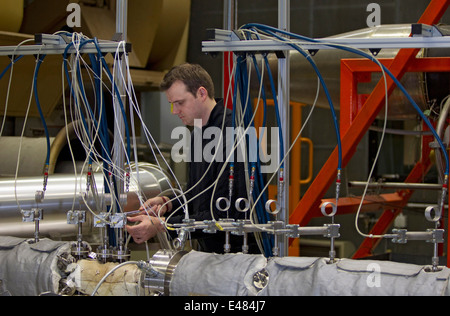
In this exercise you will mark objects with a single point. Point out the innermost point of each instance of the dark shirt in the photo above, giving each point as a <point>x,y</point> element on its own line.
<point>200,207</point>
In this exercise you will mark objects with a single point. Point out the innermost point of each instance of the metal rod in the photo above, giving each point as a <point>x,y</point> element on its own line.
<point>27,50</point>
<point>284,22</point>
<point>383,43</point>
<point>119,126</point>
<point>396,185</point>
<point>313,231</point>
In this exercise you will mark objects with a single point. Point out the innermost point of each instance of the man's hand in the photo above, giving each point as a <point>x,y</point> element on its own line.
<point>157,206</point>
<point>146,228</point>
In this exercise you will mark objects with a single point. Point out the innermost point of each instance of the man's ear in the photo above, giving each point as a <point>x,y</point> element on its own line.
<point>202,93</point>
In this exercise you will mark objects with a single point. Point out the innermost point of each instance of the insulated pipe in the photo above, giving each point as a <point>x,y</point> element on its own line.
<point>62,195</point>
<point>202,274</point>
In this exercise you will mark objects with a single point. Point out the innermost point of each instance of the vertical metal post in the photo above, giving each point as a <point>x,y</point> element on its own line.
<point>230,16</point>
<point>230,22</point>
<point>284,21</point>
<point>119,125</point>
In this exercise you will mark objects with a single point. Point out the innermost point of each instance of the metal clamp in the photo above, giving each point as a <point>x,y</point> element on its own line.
<point>212,227</point>
<point>101,220</point>
<point>118,220</point>
<point>399,236</point>
<point>332,231</point>
<point>34,215</point>
<point>76,217</point>
<point>436,236</point>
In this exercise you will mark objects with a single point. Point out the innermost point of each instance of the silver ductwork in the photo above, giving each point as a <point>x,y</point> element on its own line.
<point>63,195</point>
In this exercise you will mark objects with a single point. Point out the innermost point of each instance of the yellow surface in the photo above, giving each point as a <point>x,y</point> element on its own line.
<point>11,15</point>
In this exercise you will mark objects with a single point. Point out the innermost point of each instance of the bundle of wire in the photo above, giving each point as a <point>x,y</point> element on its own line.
<point>93,125</point>
<point>90,121</point>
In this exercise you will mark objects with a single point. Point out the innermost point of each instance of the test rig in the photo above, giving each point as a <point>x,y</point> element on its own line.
<point>111,185</point>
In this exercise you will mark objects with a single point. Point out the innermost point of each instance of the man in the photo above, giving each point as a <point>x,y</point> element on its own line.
<point>190,90</point>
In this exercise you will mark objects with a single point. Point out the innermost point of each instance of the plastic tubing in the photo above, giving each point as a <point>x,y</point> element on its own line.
<point>116,90</point>
<point>9,66</point>
<point>71,86</point>
<point>324,85</point>
<point>41,114</point>
<point>275,99</point>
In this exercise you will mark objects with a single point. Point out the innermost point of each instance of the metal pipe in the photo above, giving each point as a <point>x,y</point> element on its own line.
<point>396,185</point>
<point>313,231</point>
<point>119,126</point>
<point>284,98</point>
<point>63,194</point>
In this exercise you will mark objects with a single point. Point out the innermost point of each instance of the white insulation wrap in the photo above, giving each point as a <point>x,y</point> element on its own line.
<point>316,277</point>
<point>247,275</point>
<point>124,281</point>
<point>203,274</point>
<point>30,269</point>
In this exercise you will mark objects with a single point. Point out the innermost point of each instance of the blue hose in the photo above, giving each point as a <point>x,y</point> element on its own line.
<point>371,58</point>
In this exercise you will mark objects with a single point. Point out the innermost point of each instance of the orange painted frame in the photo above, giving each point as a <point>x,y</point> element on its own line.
<point>354,70</point>
<point>359,122</point>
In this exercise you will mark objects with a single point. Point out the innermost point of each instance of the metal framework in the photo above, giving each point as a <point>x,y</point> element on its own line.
<point>357,117</point>
<point>365,43</point>
<point>55,45</point>
<point>356,121</point>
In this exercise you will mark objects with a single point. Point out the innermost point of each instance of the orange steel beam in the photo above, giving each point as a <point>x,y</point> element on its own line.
<point>312,199</point>
<point>354,71</point>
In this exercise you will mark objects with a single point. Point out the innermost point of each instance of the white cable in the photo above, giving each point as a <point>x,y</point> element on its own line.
<point>23,133</point>
<point>110,273</point>
<point>10,82</point>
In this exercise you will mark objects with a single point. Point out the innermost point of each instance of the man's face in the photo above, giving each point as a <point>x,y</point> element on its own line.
<point>185,105</point>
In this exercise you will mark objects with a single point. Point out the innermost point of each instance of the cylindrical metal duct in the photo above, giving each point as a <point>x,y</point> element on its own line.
<point>63,195</point>
<point>426,89</point>
<point>202,274</point>
<point>32,157</point>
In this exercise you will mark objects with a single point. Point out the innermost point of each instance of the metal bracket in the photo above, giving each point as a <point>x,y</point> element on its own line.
<point>76,217</point>
<point>118,220</point>
<point>56,45</point>
<point>333,231</point>
<point>101,220</point>
<point>33,215</point>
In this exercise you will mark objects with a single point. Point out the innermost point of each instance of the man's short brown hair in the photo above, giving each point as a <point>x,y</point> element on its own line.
<point>192,75</point>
